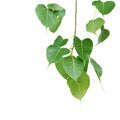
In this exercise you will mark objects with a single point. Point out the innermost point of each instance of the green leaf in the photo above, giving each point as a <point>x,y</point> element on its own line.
<point>94,25</point>
<point>60,69</point>
<point>104,7</point>
<point>73,66</point>
<point>83,47</point>
<point>54,53</point>
<point>96,67</point>
<point>46,16</point>
<point>103,35</point>
<point>56,25</point>
<point>50,17</point>
<point>55,7</point>
<point>59,41</point>
<point>79,88</point>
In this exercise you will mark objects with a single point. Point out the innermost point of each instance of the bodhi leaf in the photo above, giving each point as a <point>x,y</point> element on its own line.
<point>96,67</point>
<point>79,87</point>
<point>103,35</point>
<point>54,53</point>
<point>54,7</point>
<point>83,47</point>
<point>45,15</point>
<point>50,17</point>
<point>60,69</point>
<point>94,25</point>
<point>73,66</point>
<point>59,41</point>
<point>104,7</point>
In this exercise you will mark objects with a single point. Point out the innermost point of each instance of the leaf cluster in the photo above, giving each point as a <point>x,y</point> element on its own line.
<point>72,67</point>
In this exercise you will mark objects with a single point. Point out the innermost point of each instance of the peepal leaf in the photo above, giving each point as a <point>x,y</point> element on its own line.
<point>50,16</point>
<point>73,66</point>
<point>96,67</point>
<point>104,7</point>
<point>94,25</point>
<point>54,53</point>
<point>79,88</point>
<point>83,47</point>
<point>103,35</point>
<point>60,69</point>
<point>55,7</point>
<point>45,15</point>
<point>59,41</point>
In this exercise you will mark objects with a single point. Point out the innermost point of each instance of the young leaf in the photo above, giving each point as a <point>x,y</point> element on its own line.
<point>94,25</point>
<point>83,47</point>
<point>103,35</point>
<point>104,7</point>
<point>73,66</point>
<point>54,53</point>
<point>79,88</point>
<point>96,67</point>
<point>59,41</point>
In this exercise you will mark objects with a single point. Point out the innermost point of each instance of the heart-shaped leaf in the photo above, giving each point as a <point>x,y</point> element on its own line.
<point>59,41</point>
<point>73,66</point>
<point>55,7</point>
<point>61,70</point>
<point>79,88</point>
<point>103,35</point>
<point>96,67</point>
<point>54,53</point>
<point>50,16</point>
<point>94,25</point>
<point>83,47</point>
<point>104,7</point>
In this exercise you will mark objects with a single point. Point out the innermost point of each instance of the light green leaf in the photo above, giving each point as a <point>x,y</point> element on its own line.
<point>73,66</point>
<point>54,27</point>
<point>103,35</point>
<point>94,25</point>
<point>60,69</point>
<point>104,7</point>
<point>79,88</point>
<point>83,47</point>
<point>59,41</point>
<point>96,67</point>
<point>55,7</point>
<point>54,53</point>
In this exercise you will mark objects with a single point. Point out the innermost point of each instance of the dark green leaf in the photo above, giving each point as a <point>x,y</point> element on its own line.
<point>104,7</point>
<point>83,47</point>
<point>97,68</point>
<point>79,88</point>
<point>59,41</point>
<point>54,53</point>
<point>94,25</point>
<point>103,35</point>
<point>73,66</point>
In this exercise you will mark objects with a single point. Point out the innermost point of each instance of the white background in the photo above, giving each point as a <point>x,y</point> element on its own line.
<point>31,91</point>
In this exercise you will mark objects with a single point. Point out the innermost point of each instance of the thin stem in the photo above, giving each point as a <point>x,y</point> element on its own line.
<point>75,18</point>
<point>94,14</point>
<point>75,29</point>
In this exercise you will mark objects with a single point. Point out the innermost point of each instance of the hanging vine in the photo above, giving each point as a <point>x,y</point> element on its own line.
<point>72,67</point>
